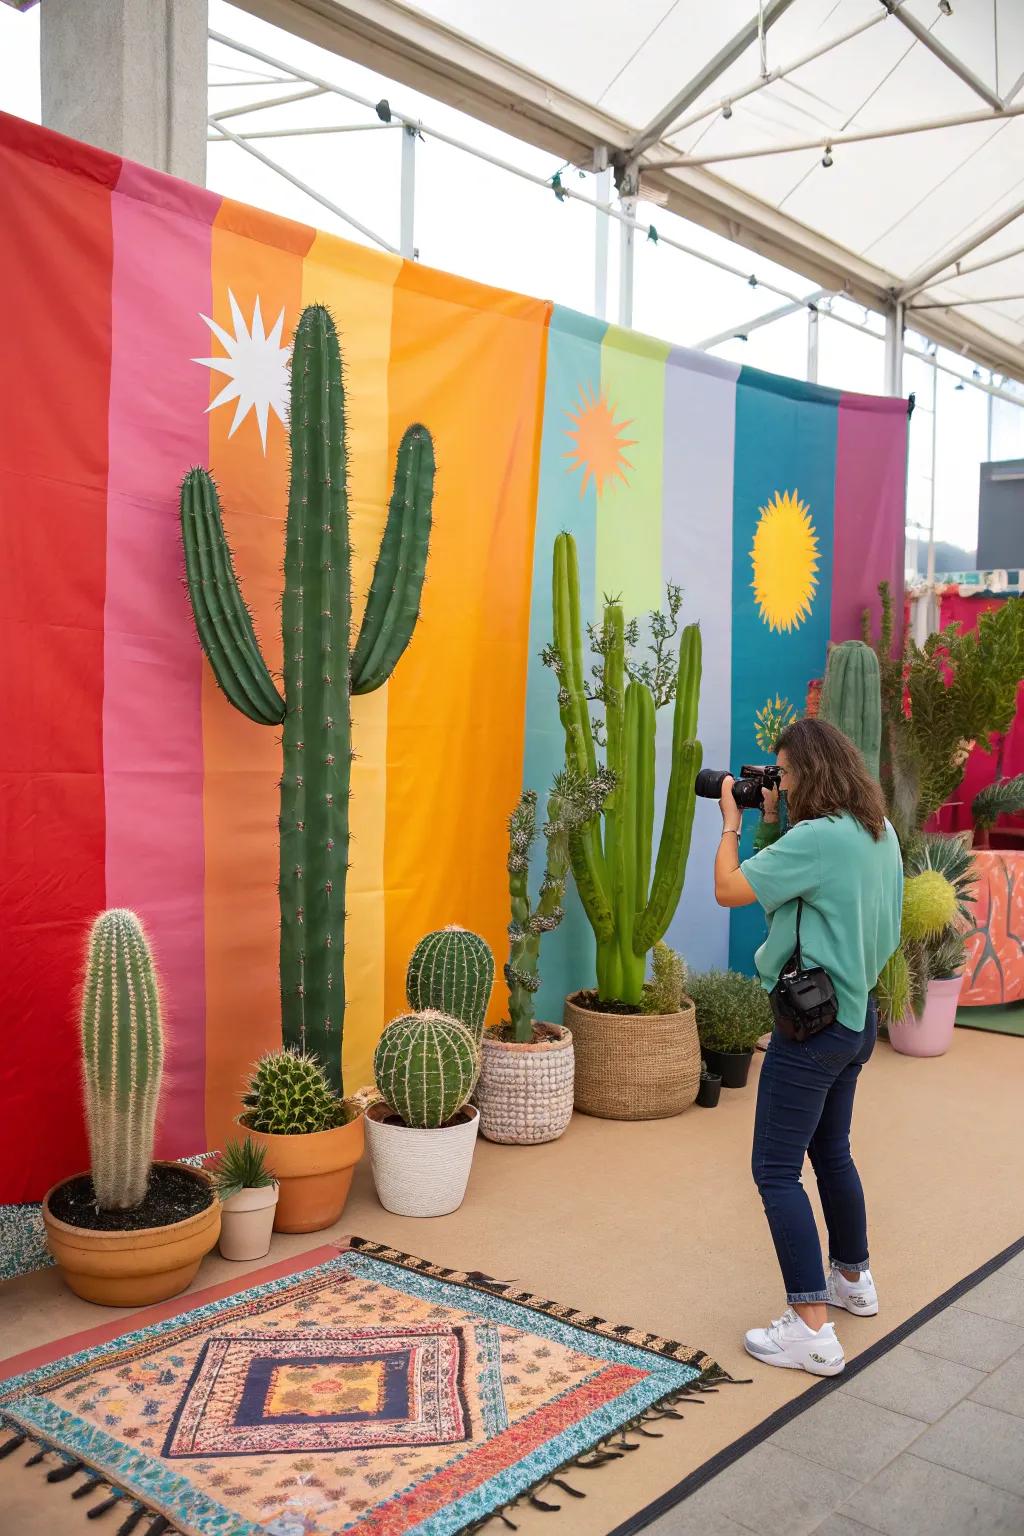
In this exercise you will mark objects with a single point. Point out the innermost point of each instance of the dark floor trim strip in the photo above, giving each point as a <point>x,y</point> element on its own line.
<point>789,1411</point>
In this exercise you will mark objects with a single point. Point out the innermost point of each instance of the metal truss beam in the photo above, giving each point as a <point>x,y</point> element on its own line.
<point>941,52</point>
<point>926,275</point>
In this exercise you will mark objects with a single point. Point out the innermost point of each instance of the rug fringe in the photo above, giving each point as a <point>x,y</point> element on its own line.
<point>70,1466</point>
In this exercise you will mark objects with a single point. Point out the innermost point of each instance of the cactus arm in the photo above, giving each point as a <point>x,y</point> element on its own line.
<point>521,967</point>
<point>222,620</point>
<point>643,771</point>
<point>851,698</point>
<point>674,845</point>
<point>394,602</point>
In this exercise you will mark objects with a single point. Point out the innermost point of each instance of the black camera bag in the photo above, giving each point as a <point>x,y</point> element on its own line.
<point>803,1002</point>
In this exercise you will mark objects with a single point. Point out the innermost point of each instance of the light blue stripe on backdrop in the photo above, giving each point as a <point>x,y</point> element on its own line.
<point>574,363</point>
<point>696,544</point>
<point>785,443</point>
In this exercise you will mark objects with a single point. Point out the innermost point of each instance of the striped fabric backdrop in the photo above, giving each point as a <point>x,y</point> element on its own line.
<point>145,330</point>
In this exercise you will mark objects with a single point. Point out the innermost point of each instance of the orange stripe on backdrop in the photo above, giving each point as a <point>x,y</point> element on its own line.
<point>468,362</point>
<point>356,285</point>
<point>254,256</point>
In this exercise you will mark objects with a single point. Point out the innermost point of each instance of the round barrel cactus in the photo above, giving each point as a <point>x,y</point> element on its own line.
<point>851,698</point>
<point>289,1095</point>
<point>929,905</point>
<point>425,1066</point>
<point>452,971</point>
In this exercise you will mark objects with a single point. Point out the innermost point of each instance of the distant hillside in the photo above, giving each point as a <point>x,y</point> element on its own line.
<point>948,557</point>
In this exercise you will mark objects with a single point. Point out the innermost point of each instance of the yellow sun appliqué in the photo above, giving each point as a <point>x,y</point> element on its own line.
<point>598,440</point>
<point>785,559</point>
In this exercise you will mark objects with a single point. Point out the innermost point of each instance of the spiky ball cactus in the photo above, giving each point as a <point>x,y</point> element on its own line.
<point>452,971</point>
<point>929,905</point>
<point>321,671</point>
<point>851,698</point>
<point>425,1066</point>
<point>289,1095</point>
<point>122,1058</point>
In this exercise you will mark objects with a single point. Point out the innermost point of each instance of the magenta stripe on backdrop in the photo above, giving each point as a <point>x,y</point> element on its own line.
<point>867,543</point>
<point>152,724</point>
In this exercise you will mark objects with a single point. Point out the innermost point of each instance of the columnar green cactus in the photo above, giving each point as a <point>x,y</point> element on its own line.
<point>320,672</point>
<point>425,1065</point>
<point>628,911</point>
<point>571,804</point>
<point>122,1058</point>
<point>452,971</point>
<point>851,698</point>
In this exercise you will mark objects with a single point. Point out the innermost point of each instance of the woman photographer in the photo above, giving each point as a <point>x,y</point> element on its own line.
<point>838,869</point>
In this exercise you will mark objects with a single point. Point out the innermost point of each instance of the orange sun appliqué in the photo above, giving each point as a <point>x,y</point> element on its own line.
<point>598,441</point>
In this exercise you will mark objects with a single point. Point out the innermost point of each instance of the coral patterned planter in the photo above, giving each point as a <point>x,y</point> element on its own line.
<point>932,1033</point>
<point>995,945</point>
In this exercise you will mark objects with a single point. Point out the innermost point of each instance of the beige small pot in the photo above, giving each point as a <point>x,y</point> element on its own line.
<point>525,1091</point>
<point>634,1066</point>
<point>246,1223</point>
<point>421,1172</point>
<point>314,1174</point>
<point>132,1269</point>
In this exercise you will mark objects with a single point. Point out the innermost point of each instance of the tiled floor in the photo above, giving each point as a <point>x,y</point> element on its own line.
<point>927,1441</point>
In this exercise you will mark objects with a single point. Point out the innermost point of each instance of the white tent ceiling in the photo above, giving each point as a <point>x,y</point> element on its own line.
<point>681,85</point>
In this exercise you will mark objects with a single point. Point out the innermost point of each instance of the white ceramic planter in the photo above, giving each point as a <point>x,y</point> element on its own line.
<point>420,1173</point>
<point>246,1222</point>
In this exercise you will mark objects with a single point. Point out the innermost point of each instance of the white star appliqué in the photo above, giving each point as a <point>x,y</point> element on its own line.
<point>256,365</point>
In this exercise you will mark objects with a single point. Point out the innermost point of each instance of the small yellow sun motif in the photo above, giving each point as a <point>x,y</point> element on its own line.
<point>598,440</point>
<point>785,559</point>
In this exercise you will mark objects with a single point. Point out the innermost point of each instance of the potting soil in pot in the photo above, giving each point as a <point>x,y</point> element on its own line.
<point>173,1195</point>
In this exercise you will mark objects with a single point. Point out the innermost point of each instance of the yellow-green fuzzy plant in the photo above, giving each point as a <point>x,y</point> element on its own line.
<point>425,1066</point>
<point>664,992</point>
<point>122,1058</point>
<point>929,905</point>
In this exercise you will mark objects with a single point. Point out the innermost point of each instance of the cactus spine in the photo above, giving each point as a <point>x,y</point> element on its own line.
<point>425,1066</point>
<point>452,971</point>
<point>320,672</point>
<point>851,698</point>
<point>122,1058</point>
<point>627,909</point>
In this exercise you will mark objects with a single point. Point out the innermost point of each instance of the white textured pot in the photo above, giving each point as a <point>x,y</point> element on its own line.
<point>246,1222</point>
<point>525,1090</point>
<point>421,1173</point>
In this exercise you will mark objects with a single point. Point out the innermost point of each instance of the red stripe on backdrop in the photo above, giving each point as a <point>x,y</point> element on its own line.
<point>54,385</point>
<point>152,710</point>
<point>868,534</point>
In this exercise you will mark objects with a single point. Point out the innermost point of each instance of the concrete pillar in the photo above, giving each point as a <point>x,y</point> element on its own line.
<point>129,76</point>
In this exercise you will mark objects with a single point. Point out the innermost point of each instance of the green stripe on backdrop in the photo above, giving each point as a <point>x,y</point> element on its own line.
<point>629,503</point>
<point>783,509</point>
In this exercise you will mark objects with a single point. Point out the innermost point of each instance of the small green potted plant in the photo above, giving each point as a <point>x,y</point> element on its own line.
<point>422,1132</point>
<point>733,1012</point>
<point>1003,798</point>
<point>311,1138</point>
<point>247,1191</point>
<point>710,1087</point>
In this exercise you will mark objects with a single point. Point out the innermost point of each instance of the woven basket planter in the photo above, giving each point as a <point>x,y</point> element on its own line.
<point>525,1092</point>
<point>417,1172</point>
<point>634,1066</point>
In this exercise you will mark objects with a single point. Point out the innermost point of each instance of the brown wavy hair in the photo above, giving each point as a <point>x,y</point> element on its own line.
<point>830,777</point>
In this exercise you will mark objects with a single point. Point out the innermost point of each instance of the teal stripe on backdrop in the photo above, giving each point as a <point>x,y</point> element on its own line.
<point>574,365</point>
<point>785,462</point>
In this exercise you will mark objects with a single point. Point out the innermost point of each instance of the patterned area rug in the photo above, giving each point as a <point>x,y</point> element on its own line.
<point>373,1392</point>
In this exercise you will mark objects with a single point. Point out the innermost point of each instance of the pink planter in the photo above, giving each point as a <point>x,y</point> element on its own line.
<point>931,1034</point>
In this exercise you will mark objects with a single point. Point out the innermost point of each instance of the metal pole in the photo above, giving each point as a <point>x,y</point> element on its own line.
<point>812,344</point>
<point>602,227</point>
<point>407,240</point>
<point>935,442</point>
<point>626,256</point>
<point>988,423</point>
<point>894,323</point>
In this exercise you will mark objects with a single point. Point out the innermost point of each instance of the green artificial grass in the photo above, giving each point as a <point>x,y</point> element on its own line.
<point>1005,1019</point>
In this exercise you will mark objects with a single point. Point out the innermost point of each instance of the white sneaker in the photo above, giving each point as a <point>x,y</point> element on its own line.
<point>790,1343</point>
<point>857,1296</point>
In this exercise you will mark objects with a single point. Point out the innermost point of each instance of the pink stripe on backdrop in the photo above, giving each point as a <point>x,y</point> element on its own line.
<point>870,508</point>
<point>152,724</point>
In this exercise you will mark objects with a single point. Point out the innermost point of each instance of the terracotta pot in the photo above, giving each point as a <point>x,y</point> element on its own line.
<point>421,1172</point>
<point>313,1172</point>
<point>524,1092</point>
<point>931,1034</point>
<point>246,1222</point>
<point>634,1066</point>
<point>132,1269</point>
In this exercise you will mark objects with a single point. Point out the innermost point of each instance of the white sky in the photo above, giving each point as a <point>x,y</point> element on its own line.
<point>479,221</point>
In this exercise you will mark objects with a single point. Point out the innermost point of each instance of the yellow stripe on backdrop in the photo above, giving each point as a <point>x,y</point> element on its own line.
<point>357,287</point>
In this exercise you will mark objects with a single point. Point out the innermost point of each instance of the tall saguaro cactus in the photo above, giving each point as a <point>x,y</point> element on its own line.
<point>628,910</point>
<point>122,1058</point>
<point>320,669</point>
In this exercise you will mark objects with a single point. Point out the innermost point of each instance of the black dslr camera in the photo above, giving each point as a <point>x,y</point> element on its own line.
<point>747,787</point>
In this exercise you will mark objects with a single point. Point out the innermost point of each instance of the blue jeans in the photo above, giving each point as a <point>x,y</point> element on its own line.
<point>804,1105</point>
